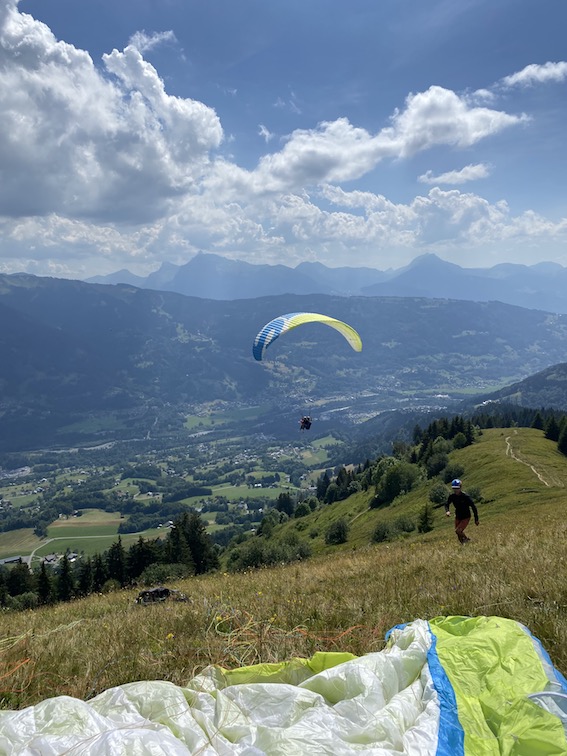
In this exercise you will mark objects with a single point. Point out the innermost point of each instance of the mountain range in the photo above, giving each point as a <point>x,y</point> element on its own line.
<point>115,361</point>
<point>541,287</point>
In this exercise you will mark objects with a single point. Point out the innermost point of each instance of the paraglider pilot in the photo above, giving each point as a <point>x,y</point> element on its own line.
<point>305,423</point>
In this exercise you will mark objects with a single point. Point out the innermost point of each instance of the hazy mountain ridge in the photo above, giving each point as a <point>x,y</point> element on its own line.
<point>542,286</point>
<point>76,350</point>
<point>547,388</point>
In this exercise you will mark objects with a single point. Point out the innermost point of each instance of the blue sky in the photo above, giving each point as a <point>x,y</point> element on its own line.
<point>367,133</point>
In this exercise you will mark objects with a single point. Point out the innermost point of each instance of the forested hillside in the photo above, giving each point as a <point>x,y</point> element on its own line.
<point>131,360</point>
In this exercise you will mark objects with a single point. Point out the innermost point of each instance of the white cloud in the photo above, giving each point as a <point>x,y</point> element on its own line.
<point>265,133</point>
<point>146,42</point>
<point>102,168</point>
<point>481,95</point>
<point>86,144</point>
<point>288,104</point>
<point>468,173</point>
<point>537,74</point>
<point>440,117</point>
<point>338,151</point>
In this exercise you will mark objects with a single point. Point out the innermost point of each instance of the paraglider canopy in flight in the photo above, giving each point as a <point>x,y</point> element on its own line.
<point>270,332</point>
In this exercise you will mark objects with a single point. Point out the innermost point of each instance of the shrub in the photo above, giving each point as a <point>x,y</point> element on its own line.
<point>404,524</point>
<point>337,532</point>
<point>438,493</point>
<point>302,510</point>
<point>384,531</point>
<point>453,470</point>
<point>27,600</point>
<point>260,553</point>
<point>460,441</point>
<point>436,463</point>
<point>475,494</point>
<point>110,586</point>
<point>398,479</point>
<point>156,574</point>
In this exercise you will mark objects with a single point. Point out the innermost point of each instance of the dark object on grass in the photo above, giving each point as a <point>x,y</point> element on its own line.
<point>161,593</point>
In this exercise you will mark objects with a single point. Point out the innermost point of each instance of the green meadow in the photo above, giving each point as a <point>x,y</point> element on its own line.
<point>211,417</point>
<point>18,542</point>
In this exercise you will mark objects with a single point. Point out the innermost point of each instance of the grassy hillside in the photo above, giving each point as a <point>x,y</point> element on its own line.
<point>513,468</point>
<point>344,598</point>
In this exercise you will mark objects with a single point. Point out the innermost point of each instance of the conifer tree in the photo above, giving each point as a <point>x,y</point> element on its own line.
<point>100,573</point>
<point>140,555</point>
<point>323,482</point>
<point>202,550</point>
<point>562,441</point>
<point>85,580</point>
<point>537,421</point>
<point>44,585</point>
<point>552,429</point>
<point>20,580</point>
<point>425,519</point>
<point>177,549</point>
<point>65,580</point>
<point>116,562</point>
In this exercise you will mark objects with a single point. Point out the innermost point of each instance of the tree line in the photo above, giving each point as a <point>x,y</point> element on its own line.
<point>186,550</point>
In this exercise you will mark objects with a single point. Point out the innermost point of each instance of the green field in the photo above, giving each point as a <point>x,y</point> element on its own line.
<point>91,524</point>
<point>214,417</point>
<point>94,532</point>
<point>102,422</point>
<point>90,545</point>
<point>18,543</point>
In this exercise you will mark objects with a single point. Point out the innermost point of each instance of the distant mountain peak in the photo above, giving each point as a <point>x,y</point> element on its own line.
<point>207,275</point>
<point>431,261</point>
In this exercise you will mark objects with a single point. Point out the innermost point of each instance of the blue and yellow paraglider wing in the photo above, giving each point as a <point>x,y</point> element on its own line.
<point>270,332</point>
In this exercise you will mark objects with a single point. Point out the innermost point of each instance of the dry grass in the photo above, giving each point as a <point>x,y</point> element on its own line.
<point>516,567</point>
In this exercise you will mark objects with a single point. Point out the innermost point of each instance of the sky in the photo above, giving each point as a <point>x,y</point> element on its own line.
<point>359,133</point>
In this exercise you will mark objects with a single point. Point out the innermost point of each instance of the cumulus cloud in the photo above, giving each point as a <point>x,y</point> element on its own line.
<point>440,117</point>
<point>338,151</point>
<point>537,74</point>
<point>468,173</point>
<point>85,144</point>
<point>100,165</point>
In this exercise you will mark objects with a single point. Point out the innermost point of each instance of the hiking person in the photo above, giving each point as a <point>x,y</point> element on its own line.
<point>462,504</point>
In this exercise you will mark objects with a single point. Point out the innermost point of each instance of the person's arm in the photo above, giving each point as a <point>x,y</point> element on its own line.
<point>447,509</point>
<point>475,511</point>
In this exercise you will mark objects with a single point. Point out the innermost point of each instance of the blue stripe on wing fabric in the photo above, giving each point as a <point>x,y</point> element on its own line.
<point>451,738</point>
<point>269,333</point>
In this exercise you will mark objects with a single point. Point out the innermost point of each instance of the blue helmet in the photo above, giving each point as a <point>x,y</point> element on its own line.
<point>456,483</point>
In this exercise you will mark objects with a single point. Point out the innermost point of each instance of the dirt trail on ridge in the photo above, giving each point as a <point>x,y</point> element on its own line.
<point>549,480</point>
